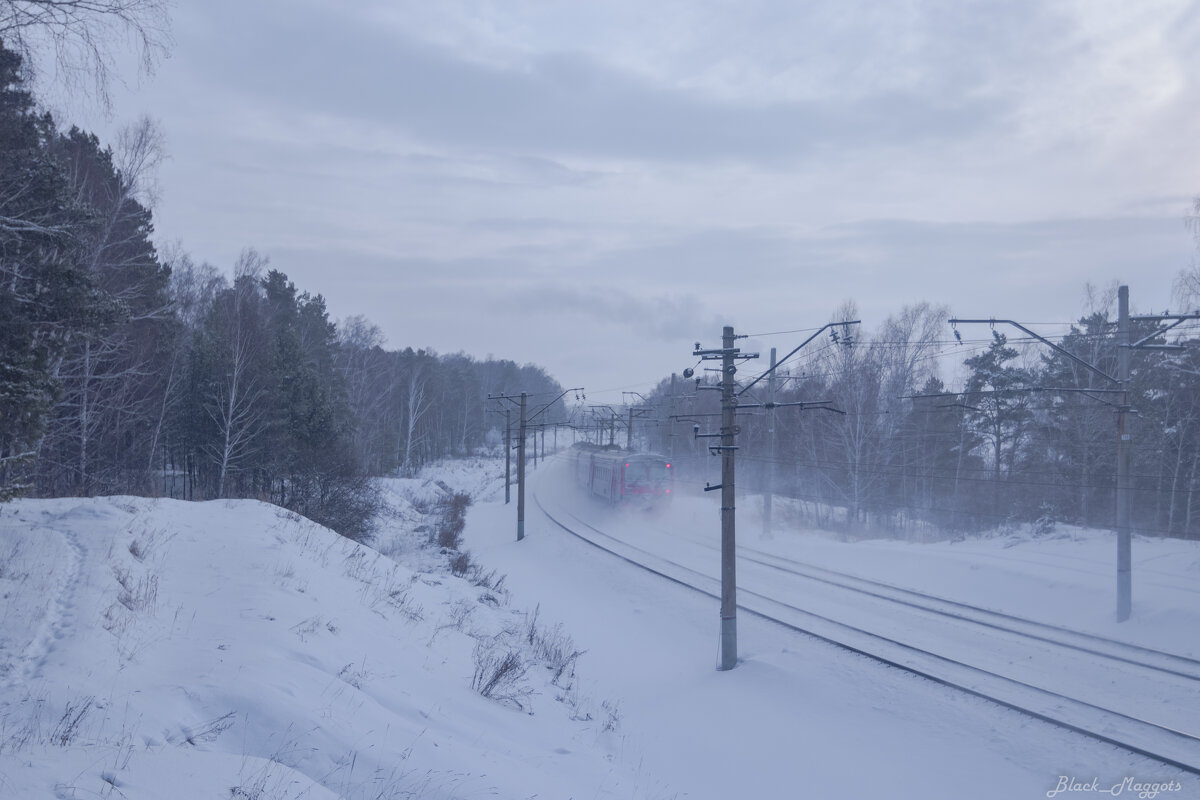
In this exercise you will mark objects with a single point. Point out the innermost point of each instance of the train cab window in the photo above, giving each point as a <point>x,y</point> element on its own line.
<point>647,473</point>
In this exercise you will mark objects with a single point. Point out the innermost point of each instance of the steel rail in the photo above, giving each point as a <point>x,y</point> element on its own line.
<point>909,668</point>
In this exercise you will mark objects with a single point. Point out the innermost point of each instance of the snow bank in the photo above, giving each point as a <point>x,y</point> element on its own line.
<point>157,648</point>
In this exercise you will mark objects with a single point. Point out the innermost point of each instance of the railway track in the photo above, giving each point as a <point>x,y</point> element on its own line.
<point>1092,644</point>
<point>1009,668</point>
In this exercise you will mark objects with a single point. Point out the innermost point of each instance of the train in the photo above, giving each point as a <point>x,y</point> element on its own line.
<point>622,478</point>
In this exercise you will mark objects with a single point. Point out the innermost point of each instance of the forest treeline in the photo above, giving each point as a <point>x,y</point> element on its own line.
<point>1028,436</point>
<point>126,370</point>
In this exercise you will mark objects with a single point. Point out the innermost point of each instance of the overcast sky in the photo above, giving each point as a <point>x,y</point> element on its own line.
<point>593,187</point>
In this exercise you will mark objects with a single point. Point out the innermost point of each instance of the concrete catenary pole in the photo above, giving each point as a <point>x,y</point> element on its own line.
<point>1124,446</point>
<point>629,433</point>
<point>507,455</point>
<point>671,421</point>
<point>728,544</point>
<point>521,435</point>
<point>768,500</point>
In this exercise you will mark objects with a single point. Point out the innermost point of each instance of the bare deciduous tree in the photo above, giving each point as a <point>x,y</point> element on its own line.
<point>370,386</point>
<point>415,406</point>
<point>235,405</point>
<point>1187,283</point>
<point>84,36</point>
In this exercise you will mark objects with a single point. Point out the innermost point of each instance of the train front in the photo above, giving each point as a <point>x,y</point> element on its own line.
<point>647,480</point>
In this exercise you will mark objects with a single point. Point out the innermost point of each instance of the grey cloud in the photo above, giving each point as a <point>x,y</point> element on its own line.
<point>662,316</point>
<point>1035,267</point>
<point>703,257</point>
<point>661,297</point>
<point>1010,240</point>
<point>563,103</point>
<point>1028,269</point>
<point>542,225</point>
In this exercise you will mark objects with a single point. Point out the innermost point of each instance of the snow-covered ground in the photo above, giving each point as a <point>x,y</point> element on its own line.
<point>802,718</point>
<point>155,648</point>
<point>162,649</point>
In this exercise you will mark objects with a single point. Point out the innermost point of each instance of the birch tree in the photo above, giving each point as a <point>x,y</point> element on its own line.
<point>110,375</point>
<point>234,400</point>
<point>415,406</point>
<point>83,38</point>
<point>370,385</point>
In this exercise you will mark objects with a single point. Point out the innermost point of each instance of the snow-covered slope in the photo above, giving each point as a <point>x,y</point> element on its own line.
<point>156,648</point>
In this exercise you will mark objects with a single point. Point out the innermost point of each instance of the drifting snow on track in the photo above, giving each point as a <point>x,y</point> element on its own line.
<point>1142,699</point>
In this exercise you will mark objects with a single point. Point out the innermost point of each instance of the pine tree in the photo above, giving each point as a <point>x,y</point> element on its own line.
<point>1000,417</point>
<point>43,295</point>
<point>113,367</point>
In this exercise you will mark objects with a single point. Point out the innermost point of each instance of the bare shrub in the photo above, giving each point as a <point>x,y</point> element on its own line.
<point>460,564</point>
<point>412,611</point>
<point>452,517</point>
<point>459,615</point>
<point>67,727</point>
<point>148,540</point>
<point>395,596</point>
<point>139,595</point>
<point>21,726</point>
<point>266,780</point>
<point>488,580</point>
<point>1046,523</point>
<point>612,715</point>
<point>357,567</point>
<point>14,739</point>
<point>354,675</point>
<point>531,623</point>
<point>307,627</point>
<point>207,731</point>
<point>7,570</point>
<point>498,673</point>
<point>552,647</point>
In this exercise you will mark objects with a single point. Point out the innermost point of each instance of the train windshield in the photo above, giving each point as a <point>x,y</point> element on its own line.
<point>647,473</point>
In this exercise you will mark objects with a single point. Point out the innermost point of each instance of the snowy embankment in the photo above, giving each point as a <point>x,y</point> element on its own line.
<point>153,649</point>
<point>157,648</point>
